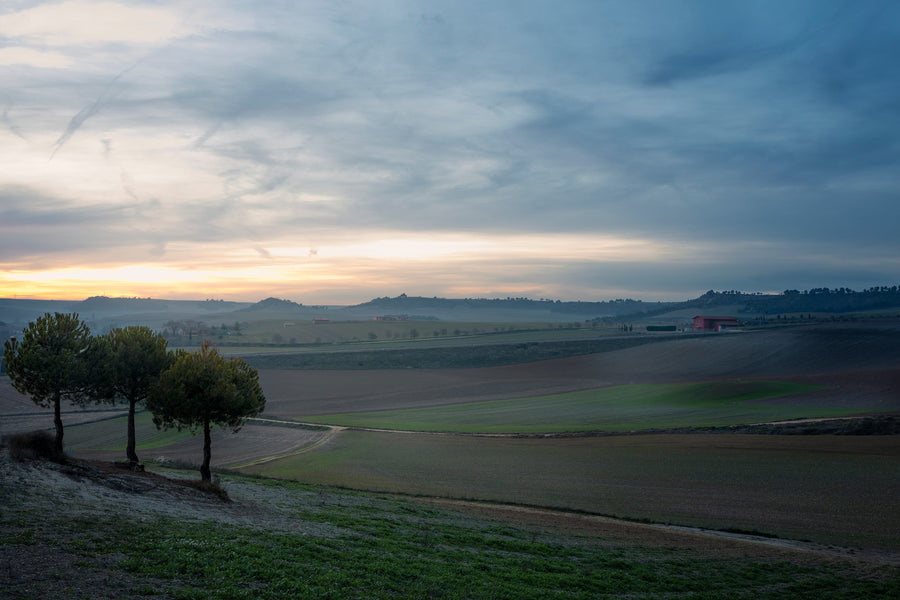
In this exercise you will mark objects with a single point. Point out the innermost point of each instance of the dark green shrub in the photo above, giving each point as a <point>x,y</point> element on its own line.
<point>33,445</point>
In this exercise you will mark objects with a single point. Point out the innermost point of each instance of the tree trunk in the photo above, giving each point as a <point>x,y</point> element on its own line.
<point>129,450</point>
<point>57,420</point>
<point>207,454</point>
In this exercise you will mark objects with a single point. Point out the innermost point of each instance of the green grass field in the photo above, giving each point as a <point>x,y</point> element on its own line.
<point>617,408</point>
<point>839,490</point>
<point>351,545</point>
<point>842,490</point>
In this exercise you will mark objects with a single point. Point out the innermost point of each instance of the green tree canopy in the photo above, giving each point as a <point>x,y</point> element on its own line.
<point>138,356</point>
<point>202,389</point>
<point>56,360</point>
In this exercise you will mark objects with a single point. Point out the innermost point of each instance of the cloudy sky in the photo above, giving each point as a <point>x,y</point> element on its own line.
<point>339,151</point>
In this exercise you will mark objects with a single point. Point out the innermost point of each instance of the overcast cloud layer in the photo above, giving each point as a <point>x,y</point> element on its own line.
<point>338,151</point>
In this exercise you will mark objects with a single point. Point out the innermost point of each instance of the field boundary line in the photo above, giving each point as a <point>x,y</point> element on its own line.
<point>884,557</point>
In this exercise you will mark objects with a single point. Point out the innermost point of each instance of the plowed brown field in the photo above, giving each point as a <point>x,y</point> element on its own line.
<point>860,364</point>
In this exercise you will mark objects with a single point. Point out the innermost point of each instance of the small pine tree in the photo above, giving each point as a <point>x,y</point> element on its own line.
<point>57,360</point>
<point>138,356</point>
<point>202,389</point>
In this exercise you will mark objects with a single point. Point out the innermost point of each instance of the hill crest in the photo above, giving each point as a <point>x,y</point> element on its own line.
<point>273,304</point>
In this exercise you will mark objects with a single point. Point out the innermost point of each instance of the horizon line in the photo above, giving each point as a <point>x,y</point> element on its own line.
<point>403,295</point>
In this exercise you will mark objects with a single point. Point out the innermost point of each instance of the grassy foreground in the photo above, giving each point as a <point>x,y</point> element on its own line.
<point>333,544</point>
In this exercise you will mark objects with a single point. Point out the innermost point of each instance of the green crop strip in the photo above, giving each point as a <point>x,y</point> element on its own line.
<point>617,408</point>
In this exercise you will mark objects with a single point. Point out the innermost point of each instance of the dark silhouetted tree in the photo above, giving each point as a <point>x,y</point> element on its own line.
<point>202,389</point>
<point>138,356</point>
<point>57,360</point>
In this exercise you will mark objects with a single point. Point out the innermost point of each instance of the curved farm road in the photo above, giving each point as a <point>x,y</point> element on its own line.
<point>327,434</point>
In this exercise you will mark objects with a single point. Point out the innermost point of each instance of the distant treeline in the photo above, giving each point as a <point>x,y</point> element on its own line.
<point>403,303</point>
<point>838,300</point>
<point>816,300</point>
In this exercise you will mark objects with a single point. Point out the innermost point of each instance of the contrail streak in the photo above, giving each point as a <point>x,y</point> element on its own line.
<point>88,111</point>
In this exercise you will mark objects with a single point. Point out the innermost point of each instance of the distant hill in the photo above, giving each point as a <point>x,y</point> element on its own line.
<point>273,305</point>
<point>104,312</point>
<point>496,308</point>
<point>816,300</point>
<point>129,306</point>
<point>107,304</point>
